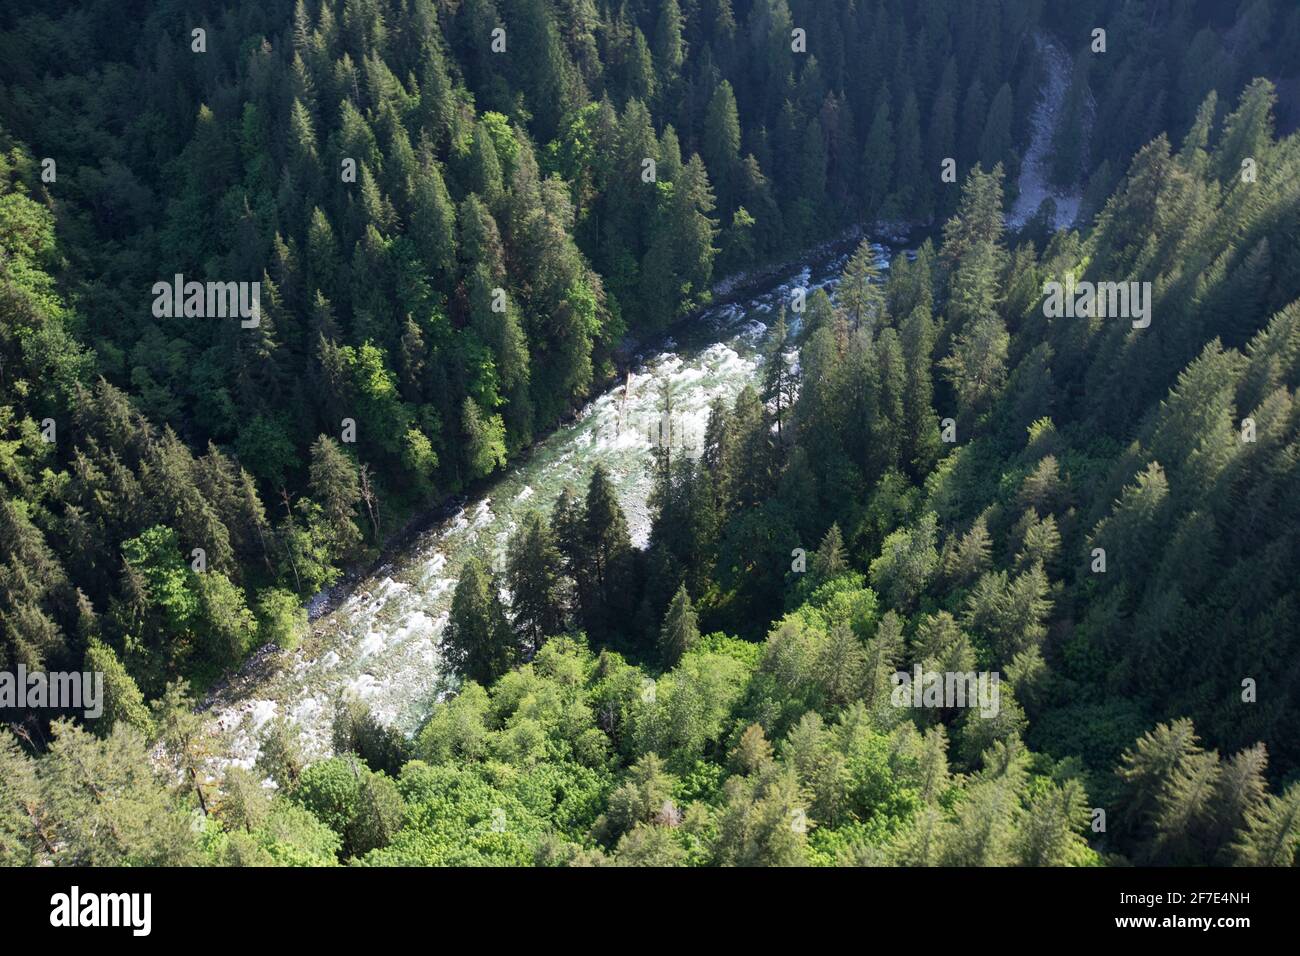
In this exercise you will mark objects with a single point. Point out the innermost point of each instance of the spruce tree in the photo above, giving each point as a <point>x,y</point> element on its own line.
<point>721,144</point>
<point>336,487</point>
<point>859,295</point>
<point>878,160</point>
<point>680,630</point>
<point>607,555</point>
<point>478,642</point>
<point>830,560</point>
<point>1272,832</point>
<point>533,575</point>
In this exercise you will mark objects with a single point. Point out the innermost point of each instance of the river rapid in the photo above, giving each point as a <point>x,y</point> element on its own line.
<point>380,642</point>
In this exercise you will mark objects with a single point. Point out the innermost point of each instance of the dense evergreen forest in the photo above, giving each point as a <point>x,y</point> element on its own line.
<point>464,215</point>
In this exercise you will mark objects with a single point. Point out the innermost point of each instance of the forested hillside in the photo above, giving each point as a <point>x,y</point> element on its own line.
<point>462,216</point>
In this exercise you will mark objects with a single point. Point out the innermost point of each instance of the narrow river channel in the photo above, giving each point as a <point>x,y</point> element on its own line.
<point>381,640</point>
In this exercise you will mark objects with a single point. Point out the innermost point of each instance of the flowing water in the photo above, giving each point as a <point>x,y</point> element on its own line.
<point>1035,184</point>
<point>381,641</point>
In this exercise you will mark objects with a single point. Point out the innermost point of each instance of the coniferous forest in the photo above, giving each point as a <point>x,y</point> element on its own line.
<point>463,223</point>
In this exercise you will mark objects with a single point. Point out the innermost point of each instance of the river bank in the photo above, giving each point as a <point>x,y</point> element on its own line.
<point>378,636</point>
<point>726,291</point>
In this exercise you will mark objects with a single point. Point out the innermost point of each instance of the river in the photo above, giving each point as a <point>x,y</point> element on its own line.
<point>381,641</point>
<point>1034,182</point>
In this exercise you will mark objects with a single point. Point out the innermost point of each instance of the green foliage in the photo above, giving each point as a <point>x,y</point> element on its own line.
<point>478,642</point>
<point>281,617</point>
<point>474,285</point>
<point>123,701</point>
<point>680,630</point>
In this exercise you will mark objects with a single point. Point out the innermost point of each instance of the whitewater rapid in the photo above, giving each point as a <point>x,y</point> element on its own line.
<point>381,641</point>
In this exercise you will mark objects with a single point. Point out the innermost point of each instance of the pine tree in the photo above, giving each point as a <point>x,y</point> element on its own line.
<point>752,753</point>
<point>859,295</point>
<point>941,136</point>
<point>920,425</point>
<point>1247,130</point>
<point>607,551</point>
<point>1242,791</point>
<point>995,143</point>
<point>887,429</point>
<point>907,561</point>
<point>1146,768</point>
<point>986,823</point>
<point>721,144</point>
<point>830,561</point>
<point>883,654</point>
<point>639,68</point>
<point>1272,832</point>
<point>337,489</point>
<point>878,160</point>
<point>279,755</point>
<point>478,642</point>
<point>924,843</point>
<point>680,630</point>
<point>533,567</point>
<point>780,387</point>
<point>485,447</point>
<point>484,169</point>
<point>913,179</point>
<point>841,667</point>
<point>1069,146</point>
<point>749,463</point>
<point>103,806</point>
<point>433,227</point>
<point>669,48</point>
<point>974,111</point>
<point>567,524</point>
<point>693,231</point>
<point>180,731</point>
<point>122,698</point>
<point>977,365</point>
<point>1183,805</point>
<point>23,840</point>
<point>969,557</point>
<point>1049,835</point>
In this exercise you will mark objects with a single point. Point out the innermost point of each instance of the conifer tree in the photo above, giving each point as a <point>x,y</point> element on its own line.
<point>859,295</point>
<point>1272,831</point>
<point>878,159</point>
<point>680,630</point>
<point>533,568</point>
<point>1049,835</point>
<point>478,642</point>
<point>721,144</point>
<point>336,487</point>
<point>103,806</point>
<point>830,560</point>
<point>607,555</point>
<point>779,385</point>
